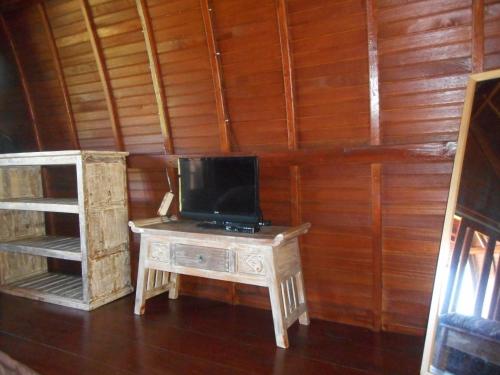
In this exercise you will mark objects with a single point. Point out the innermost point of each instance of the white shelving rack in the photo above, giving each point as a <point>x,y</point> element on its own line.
<point>103,244</point>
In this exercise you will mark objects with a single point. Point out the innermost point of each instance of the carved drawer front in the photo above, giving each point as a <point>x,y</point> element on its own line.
<point>251,262</point>
<point>207,258</point>
<point>159,251</point>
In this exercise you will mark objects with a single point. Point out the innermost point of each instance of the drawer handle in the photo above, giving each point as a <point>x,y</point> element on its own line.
<point>200,259</point>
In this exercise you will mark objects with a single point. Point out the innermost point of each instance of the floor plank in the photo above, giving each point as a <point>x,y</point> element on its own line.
<point>191,336</point>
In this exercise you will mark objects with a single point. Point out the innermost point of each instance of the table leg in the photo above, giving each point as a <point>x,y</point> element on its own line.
<point>173,293</point>
<point>142,274</point>
<point>304,317</point>
<point>280,329</point>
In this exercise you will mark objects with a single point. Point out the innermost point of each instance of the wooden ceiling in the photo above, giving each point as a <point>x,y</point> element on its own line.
<point>353,106</point>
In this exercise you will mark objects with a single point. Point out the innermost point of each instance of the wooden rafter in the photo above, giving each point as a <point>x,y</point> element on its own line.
<point>372,32</point>
<point>286,59</point>
<point>103,73</point>
<point>24,83</point>
<point>60,74</point>
<point>487,101</point>
<point>477,36</point>
<point>215,64</point>
<point>154,65</point>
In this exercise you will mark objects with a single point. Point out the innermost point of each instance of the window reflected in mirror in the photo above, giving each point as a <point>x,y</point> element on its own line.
<point>467,333</point>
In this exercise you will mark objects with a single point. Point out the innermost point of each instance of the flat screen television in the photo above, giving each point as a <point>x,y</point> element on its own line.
<point>220,189</point>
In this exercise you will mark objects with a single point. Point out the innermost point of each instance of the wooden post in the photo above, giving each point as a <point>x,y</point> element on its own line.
<point>477,36</point>
<point>214,55</point>
<point>455,258</point>
<point>376,169</point>
<point>485,274</point>
<point>469,235</point>
<point>494,313</point>
<point>376,213</point>
<point>154,66</point>
<point>286,59</point>
<point>60,74</point>
<point>24,84</point>
<point>103,73</point>
<point>372,32</point>
<point>295,188</point>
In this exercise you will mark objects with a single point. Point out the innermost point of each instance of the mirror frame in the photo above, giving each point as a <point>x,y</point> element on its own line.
<point>444,248</point>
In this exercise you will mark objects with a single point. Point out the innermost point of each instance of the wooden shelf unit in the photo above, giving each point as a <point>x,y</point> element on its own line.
<point>102,248</point>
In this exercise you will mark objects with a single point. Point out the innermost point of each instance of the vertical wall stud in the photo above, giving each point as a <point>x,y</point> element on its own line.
<point>154,65</point>
<point>215,64</point>
<point>372,31</point>
<point>376,169</point>
<point>60,74</point>
<point>477,36</point>
<point>103,73</point>
<point>376,177</point>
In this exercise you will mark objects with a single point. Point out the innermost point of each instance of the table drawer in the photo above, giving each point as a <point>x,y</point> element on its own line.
<point>207,258</point>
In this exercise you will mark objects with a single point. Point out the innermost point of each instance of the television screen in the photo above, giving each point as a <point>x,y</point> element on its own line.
<point>221,189</point>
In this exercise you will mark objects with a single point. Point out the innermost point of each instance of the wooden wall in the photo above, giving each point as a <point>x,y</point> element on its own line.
<point>353,107</point>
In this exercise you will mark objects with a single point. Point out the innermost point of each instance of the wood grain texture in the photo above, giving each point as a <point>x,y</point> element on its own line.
<point>213,54</point>
<point>372,31</point>
<point>155,74</point>
<point>102,245</point>
<point>335,54</point>
<point>477,36</point>
<point>60,75</point>
<point>103,72</point>
<point>24,83</point>
<point>14,115</point>
<point>286,58</point>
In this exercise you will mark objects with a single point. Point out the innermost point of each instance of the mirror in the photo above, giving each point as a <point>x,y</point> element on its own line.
<point>463,333</point>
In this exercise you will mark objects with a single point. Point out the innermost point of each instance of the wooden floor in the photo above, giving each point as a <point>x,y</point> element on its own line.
<point>191,336</point>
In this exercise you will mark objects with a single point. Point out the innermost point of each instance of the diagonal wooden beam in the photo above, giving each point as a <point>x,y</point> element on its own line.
<point>103,73</point>
<point>477,36</point>
<point>154,65</point>
<point>215,64</point>
<point>60,75</point>
<point>24,84</point>
<point>372,31</point>
<point>288,82</point>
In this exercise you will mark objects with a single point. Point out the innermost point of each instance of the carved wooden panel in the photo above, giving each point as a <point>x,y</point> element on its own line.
<point>250,262</point>
<point>159,251</point>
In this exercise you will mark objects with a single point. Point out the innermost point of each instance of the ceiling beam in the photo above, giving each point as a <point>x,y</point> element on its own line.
<point>287,67</point>
<point>103,73</point>
<point>60,75</point>
<point>155,68</point>
<point>215,64</point>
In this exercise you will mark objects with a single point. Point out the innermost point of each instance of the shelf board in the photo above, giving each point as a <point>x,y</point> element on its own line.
<point>47,246</point>
<point>66,290</point>
<point>66,157</point>
<point>67,205</point>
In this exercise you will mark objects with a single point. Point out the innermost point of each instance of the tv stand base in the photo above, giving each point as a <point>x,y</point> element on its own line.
<point>269,259</point>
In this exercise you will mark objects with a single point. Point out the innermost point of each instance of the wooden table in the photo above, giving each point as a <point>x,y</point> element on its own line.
<point>269,258</point>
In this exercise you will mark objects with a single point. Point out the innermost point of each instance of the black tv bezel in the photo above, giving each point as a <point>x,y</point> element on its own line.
<point>222,218</point>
